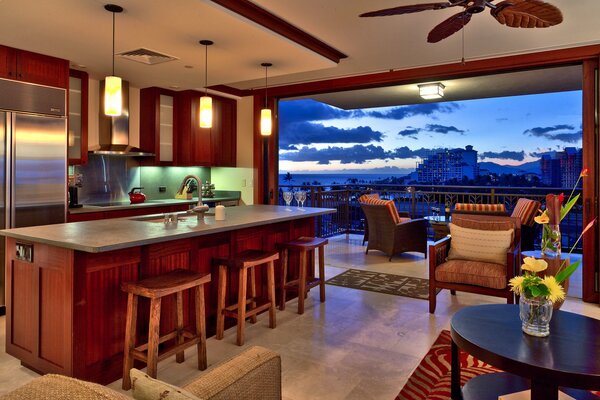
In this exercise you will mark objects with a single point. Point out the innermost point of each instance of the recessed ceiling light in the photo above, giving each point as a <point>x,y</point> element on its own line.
<point>174,87</point>
<point>188,66</point>
<point>430,91</point>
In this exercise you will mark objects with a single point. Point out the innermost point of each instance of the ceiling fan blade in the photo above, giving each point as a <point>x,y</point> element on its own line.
<point>527,14</point>
<point>407,9</point>
<point>449,27</point>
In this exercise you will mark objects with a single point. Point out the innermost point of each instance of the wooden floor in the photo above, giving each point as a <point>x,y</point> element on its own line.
<point>356,345</point>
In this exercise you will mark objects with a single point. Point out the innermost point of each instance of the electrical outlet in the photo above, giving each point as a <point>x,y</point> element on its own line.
<point>162,189</point>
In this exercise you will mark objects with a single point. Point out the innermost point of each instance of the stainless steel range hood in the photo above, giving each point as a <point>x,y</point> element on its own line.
<point>113,132</point>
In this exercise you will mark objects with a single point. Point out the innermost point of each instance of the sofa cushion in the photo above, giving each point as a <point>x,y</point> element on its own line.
<point>476,273</point>
<point>492,209</point>
<point>59,387</point>
<point>143,387</point>
<point>369,199</point>
<point>479,245</point>
<point>526,210</point>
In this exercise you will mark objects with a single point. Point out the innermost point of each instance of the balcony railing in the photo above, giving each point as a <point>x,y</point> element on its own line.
<point>418,201</point>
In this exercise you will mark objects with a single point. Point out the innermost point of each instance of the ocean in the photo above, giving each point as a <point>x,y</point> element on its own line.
<point>331,179</point>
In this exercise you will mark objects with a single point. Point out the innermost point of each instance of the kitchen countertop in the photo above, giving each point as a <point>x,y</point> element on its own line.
<point>121,233</point>
<point>89,208</point>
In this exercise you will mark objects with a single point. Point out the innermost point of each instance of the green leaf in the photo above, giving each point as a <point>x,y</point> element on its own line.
<point>535,291</point>
<point>567,272</point>
<point>564,210</point>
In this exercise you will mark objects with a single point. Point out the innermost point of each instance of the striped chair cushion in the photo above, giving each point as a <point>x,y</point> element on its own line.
<point>480,208</point>
<point>374,199</point>
<point>526,210</point>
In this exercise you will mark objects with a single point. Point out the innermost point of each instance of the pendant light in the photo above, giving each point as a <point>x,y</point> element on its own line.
<point>113,95</point>
<point>266,120</point>
<point>206,113</point>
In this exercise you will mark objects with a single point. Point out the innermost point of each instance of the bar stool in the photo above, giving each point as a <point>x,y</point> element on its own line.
<point>303,245</point>
<point>244,262</point>
<point>155,288</point>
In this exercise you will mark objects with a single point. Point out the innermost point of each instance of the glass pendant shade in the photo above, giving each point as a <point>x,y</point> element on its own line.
<point>266,123</point>
<point>206,113</point>
<point>431,91</point>
<point>113,96</point>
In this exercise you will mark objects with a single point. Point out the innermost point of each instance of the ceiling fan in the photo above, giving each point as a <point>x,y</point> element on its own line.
<point>512,13</point>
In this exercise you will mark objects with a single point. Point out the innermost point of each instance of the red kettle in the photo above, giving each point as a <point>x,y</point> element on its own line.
<point>136,196</point>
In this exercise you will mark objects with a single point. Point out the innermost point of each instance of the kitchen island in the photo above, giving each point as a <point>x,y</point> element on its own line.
<point>65,309</point>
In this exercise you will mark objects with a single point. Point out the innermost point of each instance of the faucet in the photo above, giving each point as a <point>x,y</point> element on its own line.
<point>200,208</point>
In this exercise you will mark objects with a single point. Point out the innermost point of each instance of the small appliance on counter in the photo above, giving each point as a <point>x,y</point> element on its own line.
<point>136,196</point>
<point>75,182</point>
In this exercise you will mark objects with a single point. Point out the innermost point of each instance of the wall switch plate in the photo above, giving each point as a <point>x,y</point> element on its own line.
<point>24,252</point>
<point>162,189</point>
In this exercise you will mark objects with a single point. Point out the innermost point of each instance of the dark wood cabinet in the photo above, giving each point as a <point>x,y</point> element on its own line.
<point>33,67</point>
<point>158,125</point>
<point>224,132</point>
<point>132,212</point>
<point>78,118</point>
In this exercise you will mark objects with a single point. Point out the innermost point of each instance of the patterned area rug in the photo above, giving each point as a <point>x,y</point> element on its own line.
<point>398,285</point>
<point>431,379</point>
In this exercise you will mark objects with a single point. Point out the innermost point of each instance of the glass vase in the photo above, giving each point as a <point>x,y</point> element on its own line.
<point>551,241</point>
<point>535,314</point>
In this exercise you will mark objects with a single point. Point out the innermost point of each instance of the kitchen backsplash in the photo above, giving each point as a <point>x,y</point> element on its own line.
<point>170,177</point>
<point>107,178</point>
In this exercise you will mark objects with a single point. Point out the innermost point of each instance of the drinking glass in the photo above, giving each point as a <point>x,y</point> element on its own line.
<point>302,198</point>
<point>287,197</point>
<point>297,197</point>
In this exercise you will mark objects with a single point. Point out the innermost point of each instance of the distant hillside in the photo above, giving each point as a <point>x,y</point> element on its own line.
<point>530,167</point>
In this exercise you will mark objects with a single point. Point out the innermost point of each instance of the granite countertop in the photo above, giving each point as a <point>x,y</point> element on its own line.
<point>90,208</point>
<point>121,233</point>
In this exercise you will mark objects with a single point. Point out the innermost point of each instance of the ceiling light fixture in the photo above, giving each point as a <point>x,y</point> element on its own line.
<point>266,121</point>
<point>113,95</point>
<point>431,91</point>
<point>206,112</point>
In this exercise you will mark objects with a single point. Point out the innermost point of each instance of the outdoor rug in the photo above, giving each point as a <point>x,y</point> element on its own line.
<point>398,285</point>
<point>431,379</point>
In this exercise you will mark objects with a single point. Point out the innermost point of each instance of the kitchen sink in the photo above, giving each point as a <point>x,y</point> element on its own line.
<point>181,216</point>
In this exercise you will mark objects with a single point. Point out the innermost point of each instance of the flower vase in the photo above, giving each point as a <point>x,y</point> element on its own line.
<point>535,314</point>
<point>551,241</point>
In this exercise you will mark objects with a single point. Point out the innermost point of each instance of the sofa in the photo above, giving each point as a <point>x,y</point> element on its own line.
<point>252,375</point>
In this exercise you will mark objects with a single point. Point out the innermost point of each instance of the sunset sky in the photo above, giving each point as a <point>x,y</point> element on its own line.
<point>315,137</point>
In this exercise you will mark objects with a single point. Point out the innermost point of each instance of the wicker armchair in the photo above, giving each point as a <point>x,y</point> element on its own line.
<point>474,276</point>
<point>390,237</point>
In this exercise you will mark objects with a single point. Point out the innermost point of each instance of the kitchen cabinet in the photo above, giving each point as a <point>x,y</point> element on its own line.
<point>78,118</point>
<point>33,67</point>
<point>157,125</point>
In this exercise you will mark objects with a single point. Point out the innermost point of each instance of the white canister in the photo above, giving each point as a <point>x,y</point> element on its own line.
<point>220,213</point>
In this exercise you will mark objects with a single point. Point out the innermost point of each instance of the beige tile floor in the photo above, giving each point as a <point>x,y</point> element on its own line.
<point>356,345</point>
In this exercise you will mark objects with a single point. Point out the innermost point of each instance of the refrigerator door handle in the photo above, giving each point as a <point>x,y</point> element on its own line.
<point>9,171</point>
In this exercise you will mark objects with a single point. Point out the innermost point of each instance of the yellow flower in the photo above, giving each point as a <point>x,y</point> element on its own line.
<point>542,219</point>
<point>534,265</point>
<point>556,291</point>
<point>516,284</point>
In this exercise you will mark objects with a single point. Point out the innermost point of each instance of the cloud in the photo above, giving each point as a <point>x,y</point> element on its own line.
<point>501,119</point>
<point>504,155</point>
<point>410,132</point>
<point>309,133</point>
<point>556,132</point>
<point>403,112</point>
<point>357,154</point>
<point>443,129</point>
<point>405,152</point>
<point>311,110</point>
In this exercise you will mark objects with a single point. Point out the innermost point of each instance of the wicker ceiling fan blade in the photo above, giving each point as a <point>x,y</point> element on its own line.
<point>407,9</point>
<point>527,14</point>
<point>450,26</point>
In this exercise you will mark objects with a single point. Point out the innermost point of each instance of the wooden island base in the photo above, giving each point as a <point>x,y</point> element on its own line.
<point>66,311</point>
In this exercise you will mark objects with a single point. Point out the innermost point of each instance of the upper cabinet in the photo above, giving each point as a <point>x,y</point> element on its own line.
<point>34,68</point>
<point>169,127</point>
<point>78,118</point>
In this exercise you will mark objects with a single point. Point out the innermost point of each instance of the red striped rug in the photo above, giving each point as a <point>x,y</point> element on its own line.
<point>431,379</point>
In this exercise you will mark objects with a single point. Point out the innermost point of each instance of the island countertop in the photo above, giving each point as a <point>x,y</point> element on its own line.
<point>113,234</point>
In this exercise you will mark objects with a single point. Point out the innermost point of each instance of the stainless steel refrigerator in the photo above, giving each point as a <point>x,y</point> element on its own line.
<point>33,159</point>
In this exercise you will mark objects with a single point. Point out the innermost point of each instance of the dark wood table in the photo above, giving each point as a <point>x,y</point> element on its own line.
<point>439,224</point>
<point>569,358</point>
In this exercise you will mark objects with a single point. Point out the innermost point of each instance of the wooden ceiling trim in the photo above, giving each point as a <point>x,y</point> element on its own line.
<point>278,25</point>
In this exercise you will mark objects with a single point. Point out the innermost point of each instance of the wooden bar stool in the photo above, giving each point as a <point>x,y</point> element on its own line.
<point>155,288</point>
<point>247,260</point>
<point>303,245</point>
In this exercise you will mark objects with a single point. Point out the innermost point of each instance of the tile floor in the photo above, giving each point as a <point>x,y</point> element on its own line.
<point>356,345</point>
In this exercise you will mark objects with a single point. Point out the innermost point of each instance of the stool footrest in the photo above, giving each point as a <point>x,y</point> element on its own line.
<point>229,311</point>
<point>142,355</point>
<point>293,285</point>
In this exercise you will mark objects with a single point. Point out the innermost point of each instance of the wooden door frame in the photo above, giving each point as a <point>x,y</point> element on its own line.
<point>588,56</point>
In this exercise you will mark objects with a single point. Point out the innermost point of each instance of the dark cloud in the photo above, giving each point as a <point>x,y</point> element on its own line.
<point>443,129</point>
<point>309,133</point>
<point>402,112</point>
<point>556,132</point>
<point>410,131</point>
<point>358,154</point>
<point>501,119</point>
<point>310,110</point>
<point>405,152</point>
<point>539,154</point>
<point>504,155</point>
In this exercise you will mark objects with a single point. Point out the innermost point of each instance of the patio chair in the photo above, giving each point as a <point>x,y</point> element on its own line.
<point>480,256</point>
<point>526,210</point>
<point>392,234</point>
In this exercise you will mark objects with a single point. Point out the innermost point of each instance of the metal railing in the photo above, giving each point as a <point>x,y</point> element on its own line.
<point>418,201</point>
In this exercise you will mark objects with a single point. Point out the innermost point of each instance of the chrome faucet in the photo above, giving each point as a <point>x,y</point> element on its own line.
<point>200,208</point>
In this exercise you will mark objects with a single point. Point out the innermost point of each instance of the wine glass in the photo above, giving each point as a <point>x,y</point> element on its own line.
<point>287,197</point>
<point>302,199</point>
<point>297,197</point>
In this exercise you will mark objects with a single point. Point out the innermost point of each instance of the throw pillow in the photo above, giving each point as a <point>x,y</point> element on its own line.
<point>479,245</point>
<point>144,387</point>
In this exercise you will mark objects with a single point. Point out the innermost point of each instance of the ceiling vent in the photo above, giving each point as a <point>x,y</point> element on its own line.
<point>146,56</point>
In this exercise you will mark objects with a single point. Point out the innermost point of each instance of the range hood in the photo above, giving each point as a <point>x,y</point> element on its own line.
<point>113,132</point>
